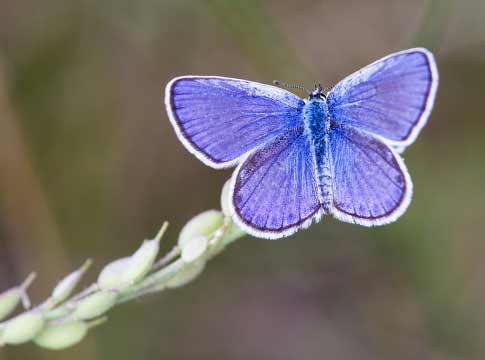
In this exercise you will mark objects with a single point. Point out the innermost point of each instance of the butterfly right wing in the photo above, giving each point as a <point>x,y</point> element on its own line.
<point>220,119</point>
<point>391,98</point>
<point>274,191</point>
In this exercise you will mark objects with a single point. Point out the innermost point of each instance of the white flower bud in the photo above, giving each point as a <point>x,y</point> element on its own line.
<point>8,302</point>
<point>61,336</point>
<point>110,276</point>
<point>203,224</point>
<point>141,261</point>
<point>225,200</point>
<point>10,299</point>
<point>128,270</point>
<point>57,313</point>
<point>194,249</point>
<point>23,328</point>
<point>66,286</point>
<point>186,275</point>
<point>95,305</point>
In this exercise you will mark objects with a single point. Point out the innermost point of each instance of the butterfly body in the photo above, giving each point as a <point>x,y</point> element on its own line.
<point>318,126</point>
<point>333,153</point>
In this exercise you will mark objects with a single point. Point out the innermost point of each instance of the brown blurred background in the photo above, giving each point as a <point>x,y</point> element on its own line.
<point>89,166</point>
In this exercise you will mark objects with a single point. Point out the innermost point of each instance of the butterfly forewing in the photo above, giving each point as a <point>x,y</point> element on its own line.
<point>220,119</point>
<point>391,97</point>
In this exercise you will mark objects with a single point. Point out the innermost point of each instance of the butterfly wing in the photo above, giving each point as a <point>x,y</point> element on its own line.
<point>391,97</point>
<point>220,119</point>
<point>371,185</point>
<point>274,192</point>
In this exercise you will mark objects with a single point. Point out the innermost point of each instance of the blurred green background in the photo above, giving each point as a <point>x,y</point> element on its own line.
<point>89,166</point>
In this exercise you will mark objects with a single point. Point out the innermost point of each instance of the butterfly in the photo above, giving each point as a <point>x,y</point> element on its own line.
<point>336,152</point>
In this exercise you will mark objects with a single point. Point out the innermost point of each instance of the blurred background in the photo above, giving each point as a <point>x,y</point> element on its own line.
<point>90,166</point>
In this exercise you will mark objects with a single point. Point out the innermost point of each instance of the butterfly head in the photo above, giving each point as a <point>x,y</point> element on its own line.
<point>318,93</point>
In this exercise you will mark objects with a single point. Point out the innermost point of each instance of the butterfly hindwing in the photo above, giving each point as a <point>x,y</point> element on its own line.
<point>391,97</point>
<point>371,185</point>
<point>220,119</point>
<point>274,189</point>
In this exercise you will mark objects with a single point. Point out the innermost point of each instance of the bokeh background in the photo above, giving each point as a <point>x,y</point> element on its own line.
<point>89,166</point>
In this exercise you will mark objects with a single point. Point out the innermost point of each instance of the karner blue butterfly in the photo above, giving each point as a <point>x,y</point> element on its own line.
<point>336,152</point>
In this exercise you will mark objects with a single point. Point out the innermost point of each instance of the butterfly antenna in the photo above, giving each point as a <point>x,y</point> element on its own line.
<point>291,86</point>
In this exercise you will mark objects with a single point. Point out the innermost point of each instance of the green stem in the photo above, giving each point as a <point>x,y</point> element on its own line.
<point>161,273</point>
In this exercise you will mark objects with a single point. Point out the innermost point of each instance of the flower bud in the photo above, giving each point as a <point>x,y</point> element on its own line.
<point>10,299</point>
<point>141,261</point>
<point>203,224</point>
<point>194,249</point>
<point>66,286</point>
<point>110,276</point>
<point>8,302</point>
<point>61,336</point>
<point>57,313</point>
<point>95,305</point>
<point>23,328</point>
<point>225,199</point>
<point>128,270</point>
<point>186,275</point>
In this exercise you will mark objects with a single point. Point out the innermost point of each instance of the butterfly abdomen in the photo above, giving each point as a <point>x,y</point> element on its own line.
<point>317,128</point>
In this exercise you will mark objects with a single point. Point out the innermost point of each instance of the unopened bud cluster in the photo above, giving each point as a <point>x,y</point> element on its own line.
<point>64,319</point>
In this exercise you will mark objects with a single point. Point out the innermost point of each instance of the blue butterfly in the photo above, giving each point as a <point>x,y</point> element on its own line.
<point>336,152</point>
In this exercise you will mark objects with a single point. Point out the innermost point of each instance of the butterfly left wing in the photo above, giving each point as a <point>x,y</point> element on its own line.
<point>371,185</point>
<point>274,192</point>
<point>220,119</point>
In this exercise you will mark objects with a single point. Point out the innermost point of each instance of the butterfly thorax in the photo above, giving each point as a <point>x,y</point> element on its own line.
<point>317,128</point>
<point>316,118</point>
